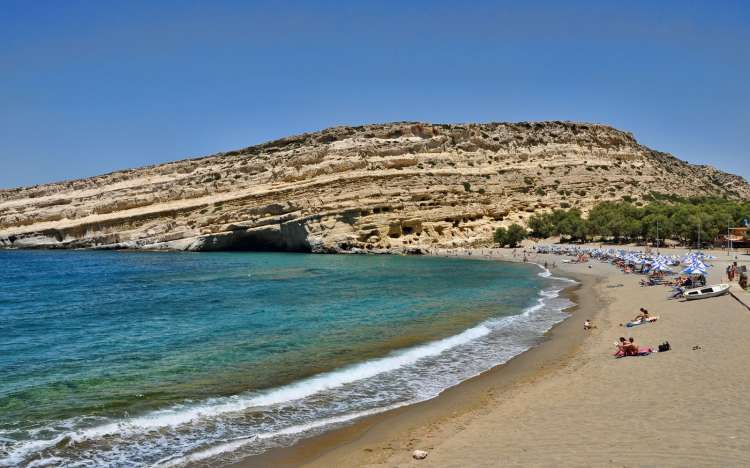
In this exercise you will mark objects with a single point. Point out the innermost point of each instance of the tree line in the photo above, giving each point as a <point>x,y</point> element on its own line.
<point>666,217</point>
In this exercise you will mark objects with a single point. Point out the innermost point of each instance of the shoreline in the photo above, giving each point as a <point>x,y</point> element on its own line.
<point>557,346</point>
<point>686,407</point>
<point>567,370</point>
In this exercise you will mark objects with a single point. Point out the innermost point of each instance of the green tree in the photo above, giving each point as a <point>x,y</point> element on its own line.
<point>653,225</point>
<point>677,218</point>
<point>511,236</point>
<point>501,236</point>
<point>516,233</point>
<point>541,225</point>
<point>572,225</point>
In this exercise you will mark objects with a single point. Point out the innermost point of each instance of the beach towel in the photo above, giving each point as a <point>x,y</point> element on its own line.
<point>641,322</point>
<point>645,350</point>
<point>642,351</point>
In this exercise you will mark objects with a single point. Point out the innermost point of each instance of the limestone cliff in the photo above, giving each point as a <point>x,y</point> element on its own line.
<point>398,186</point>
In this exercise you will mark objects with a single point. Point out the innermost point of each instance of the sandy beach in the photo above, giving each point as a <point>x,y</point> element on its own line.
<point>569,402</point>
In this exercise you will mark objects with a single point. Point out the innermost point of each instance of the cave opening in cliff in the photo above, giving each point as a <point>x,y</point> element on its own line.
<point>247,245</point>
<point>271,239</point>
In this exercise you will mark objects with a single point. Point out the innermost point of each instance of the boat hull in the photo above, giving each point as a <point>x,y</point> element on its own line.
<point>706,292</point>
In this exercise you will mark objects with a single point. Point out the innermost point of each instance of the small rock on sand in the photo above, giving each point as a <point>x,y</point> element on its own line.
<point>419,454</point>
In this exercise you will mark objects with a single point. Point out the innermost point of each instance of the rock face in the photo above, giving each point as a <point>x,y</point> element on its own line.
<point>391,187</point>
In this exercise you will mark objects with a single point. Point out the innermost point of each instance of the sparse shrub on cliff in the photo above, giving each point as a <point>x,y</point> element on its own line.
<point>467,187</point>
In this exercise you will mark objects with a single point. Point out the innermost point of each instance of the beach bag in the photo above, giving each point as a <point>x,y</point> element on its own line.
<point>664,347</point>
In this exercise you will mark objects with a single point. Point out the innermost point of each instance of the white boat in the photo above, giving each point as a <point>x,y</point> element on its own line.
<point>706,292</point>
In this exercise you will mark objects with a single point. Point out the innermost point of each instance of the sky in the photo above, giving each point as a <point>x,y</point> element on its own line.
<point>88,87</point>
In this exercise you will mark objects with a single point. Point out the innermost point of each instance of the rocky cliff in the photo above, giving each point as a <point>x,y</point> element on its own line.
<point>398,186</point>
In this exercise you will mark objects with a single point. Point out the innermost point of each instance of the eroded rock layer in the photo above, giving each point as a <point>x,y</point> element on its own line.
<point>399,186</point>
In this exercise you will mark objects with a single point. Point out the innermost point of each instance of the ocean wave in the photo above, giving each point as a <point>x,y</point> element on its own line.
<point>548,274</point>
<point>401,378</point>
<point>233,445</point>
<point>225,447</point>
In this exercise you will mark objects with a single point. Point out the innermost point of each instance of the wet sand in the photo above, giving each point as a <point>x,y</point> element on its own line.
<point>568,402</point>
<point>374,436</point>
<point>687,407</point>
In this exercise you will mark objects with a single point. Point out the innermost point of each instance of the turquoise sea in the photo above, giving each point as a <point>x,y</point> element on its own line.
<point>162,359</point>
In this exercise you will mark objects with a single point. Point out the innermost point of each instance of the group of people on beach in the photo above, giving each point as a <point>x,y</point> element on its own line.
<point>687,281</point>
<point>627,347</point>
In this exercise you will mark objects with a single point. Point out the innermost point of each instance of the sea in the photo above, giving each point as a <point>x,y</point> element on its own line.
<point>168,359</point>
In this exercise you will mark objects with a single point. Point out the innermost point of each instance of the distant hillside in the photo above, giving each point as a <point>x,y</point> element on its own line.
<point>390,187</point>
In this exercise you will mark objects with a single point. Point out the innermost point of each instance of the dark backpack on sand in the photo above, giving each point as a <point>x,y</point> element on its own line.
<point>664,347</point>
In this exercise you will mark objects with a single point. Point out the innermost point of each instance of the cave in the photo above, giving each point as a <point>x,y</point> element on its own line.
<point>289,237</point>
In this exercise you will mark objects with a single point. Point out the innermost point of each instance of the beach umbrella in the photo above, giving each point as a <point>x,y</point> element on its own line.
<point>661,267</point>
<point>694,270</point>
<point>690,258</point>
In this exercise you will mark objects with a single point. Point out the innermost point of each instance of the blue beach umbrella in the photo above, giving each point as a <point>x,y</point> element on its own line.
<point>661,267</point>
<point>694,270</point>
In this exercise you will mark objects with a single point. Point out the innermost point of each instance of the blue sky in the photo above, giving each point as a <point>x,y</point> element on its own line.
<point>91,87</point>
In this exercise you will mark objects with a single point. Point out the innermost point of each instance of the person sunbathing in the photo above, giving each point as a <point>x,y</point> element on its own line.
<point>621,346</point>
<point>631,349</point>
<point>642,316</point>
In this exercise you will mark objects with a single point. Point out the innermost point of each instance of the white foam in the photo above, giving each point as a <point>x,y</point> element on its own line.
<point>216,407</point>
<point>179,415</point>
<point>237,444</point>
<point>51,461</point>
<point>548,274</point>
